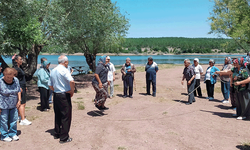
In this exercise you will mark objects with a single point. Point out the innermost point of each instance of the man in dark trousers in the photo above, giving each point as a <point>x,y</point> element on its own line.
<point>189,75</point>
<point>151,69</point>
<point>128,70</point>
<point>62,85</point>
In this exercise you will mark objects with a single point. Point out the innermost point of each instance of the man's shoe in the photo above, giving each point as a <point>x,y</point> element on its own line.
<point>68,140</point>
<point>148,94</point>
<point>211,98</point>
<point>188,103</point>
<point>15,138</point>
<point>131,96</point>
<point>7,139</point>
<point>104,108</point>
<point>207,97</point>
<point>124,96</point>
<point>241,118</point>
<point>98,107</point>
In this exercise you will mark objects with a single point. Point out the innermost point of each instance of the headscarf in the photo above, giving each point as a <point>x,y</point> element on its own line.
<point>44,64</point>
<point>229,61</point>
<point>211,60</point>
<point>102,61</point>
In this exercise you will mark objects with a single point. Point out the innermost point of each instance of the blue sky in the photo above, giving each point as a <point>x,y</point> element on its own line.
<point>167,18</point>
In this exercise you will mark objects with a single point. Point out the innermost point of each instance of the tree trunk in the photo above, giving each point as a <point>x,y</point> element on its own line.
<point>91,61</point>
<point>30,63</point>
<point>4,65</point>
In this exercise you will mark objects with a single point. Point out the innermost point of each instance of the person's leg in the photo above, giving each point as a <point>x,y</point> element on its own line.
<point>232,97</point>
<point>111,88</point>
<point>13,116</point>
<point>21,109</point>
<point>199,87</point>
<point>50,96</point>
<point>238,105</point>
<point>130,85</point>
<point>4,123</point>
<point>43,97</point>
<point>154,87</point>
<point>56,103</point>
<point>104,94</point>
<point>227,90</point>
<point>191,98</point>
<point>223,89</point>
<point>65,108</point>
<point>125,86</point>
<point>212,90</point>
<point>195,86</point>
<point>148,86</point>
<point>207,87</point>
<point>246,103</point>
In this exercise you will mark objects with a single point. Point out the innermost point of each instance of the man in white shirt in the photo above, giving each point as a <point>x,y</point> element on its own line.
<point>111,77</point>
<point>62,84</point>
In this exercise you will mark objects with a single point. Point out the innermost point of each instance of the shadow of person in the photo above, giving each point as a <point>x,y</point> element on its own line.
<point>39,108</point>
<point>220,114</point>
<point>19,132</point>
<point>51,131</point>
<point>184,94</point>
<point>145,94</point>
<point>243,147</point>
<point>95,113</point>
<point>223,107</point>
<point>180,101</point>
<point>119,95</point>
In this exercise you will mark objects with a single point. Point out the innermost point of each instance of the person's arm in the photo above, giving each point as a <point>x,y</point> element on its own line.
<point>122,70</point>
<point>98,80</point>
<point>193,77</point>
<point>43,76</point>
<point>114,73</point>
<point>52,88</point>
<point>183,78</point>
<point>72,70</point>
<point>19,100</point>
<point>156,68</point>
<point>72,87</point>
<point>243,81</point>
<point>133,69</point>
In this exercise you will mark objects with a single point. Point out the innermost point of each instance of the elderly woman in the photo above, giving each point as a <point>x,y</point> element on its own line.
<point>189,75</point>
<point>225,80</point>
<point>198,72</point>
<point>239,81</point>
<point>10,100</point>
<point>210,79</point>
<point>100,83</point>
<point>42,83</point>
<point>17,64</point>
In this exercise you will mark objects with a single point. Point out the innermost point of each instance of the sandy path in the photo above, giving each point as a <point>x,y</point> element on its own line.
<point>140,123</point>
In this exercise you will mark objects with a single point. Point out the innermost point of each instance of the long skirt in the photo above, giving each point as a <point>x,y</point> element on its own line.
<point>243,103</point>
<point>101,93</point>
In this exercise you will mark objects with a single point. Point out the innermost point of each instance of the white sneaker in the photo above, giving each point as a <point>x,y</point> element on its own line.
<point>25,122</point>
<point>15,138</point>
<point>7,139</point>
<point>241,118</point>
<point>225,101</point>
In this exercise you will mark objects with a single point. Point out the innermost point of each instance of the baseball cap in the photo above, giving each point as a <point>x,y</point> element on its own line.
<point>108,57</point>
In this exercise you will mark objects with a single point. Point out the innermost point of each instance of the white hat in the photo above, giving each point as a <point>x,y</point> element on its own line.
<point>196,59</point>
<point>108,57</point>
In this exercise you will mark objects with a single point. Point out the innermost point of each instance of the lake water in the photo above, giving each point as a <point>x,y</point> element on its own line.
<point>140,60</point>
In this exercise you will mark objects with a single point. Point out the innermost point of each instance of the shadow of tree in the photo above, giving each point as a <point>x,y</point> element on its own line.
<point>245,147</point>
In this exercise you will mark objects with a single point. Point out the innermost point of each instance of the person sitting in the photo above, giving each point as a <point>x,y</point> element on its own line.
<point>210,79</point>
<point>10,101</point>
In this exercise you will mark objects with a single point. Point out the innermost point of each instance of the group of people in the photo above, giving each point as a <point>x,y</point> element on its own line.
<point>234,77</point>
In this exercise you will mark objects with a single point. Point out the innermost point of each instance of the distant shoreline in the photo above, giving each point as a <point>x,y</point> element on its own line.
<point>142,54</point>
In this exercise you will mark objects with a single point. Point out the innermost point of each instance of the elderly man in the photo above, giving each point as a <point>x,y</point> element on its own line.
<point>62,84</point>
<point>128,70</point>
<point>151,69</point>
<point>111,77</point>
<point>189,74</point>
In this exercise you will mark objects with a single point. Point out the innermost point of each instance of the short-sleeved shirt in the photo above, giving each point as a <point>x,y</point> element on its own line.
<point>188,72</point>
<point>60,79</point>
<point>241,74</point>
<point>111,71</point>
<point>70,69</point>
<point>198,70</point>
<point>102,71</point>
<point>21,77</point>
<point>151,71</point>
<point>9,94</point>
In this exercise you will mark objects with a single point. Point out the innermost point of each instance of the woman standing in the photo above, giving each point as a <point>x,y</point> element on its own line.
<point>210,79</point>
<point>42,83</point>
<point>100,83</point>
<point>10,100</point>
<point>198,72</point>
<point>225,80</point>
<point>17,64</point>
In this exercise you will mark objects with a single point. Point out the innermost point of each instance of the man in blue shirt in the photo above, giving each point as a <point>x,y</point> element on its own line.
<point>63,85</point>
<point>151,69</point>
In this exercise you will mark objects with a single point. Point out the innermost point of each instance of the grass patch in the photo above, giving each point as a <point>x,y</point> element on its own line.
<point>78,92</point>
<point>79,98</point>
<point>80,106</point>
<point>121,148</point>
<point>164,113</point>
<point>245,146</point>
<point>32,118</point>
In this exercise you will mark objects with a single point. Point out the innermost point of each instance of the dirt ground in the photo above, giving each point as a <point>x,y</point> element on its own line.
<point>140,123</point>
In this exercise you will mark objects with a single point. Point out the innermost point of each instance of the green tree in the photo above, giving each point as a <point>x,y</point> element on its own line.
<point>232,18</point>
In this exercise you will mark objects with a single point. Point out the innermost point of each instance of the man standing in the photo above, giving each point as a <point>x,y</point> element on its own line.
<point>111,77</point>
<point>128,70</point>
<point>151,69</point>
<point>189,74</point>
<point>62,84</point>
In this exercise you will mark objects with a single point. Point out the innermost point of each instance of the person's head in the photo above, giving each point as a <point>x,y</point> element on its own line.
<point>211,62</point>
<point>186,62</point>
<point>196,61</point>
<point>228,60</point>
<point>248,54</point>
<point>43,59</point>
<point>9,74</point>
<point>103,60</point>
<point>128,61</point>
<point>241,60</point>
<point>46,64</point>
<point>236,63</point>
<point>150,60</point>
<point>108,59</point>
<point>63,60</point>
<point>18,61</point>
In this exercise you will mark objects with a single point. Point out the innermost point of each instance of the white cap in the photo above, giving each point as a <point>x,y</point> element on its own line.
<point>108,57</point>
<point>196,59</point>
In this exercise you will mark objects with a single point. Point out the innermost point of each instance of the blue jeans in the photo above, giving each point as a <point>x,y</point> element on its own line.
<point>11,116</point>
<point>225,88</point>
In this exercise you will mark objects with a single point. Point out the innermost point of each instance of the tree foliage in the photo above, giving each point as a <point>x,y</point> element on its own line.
<point>232,18</point>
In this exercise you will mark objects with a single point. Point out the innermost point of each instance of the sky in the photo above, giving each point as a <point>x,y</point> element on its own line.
<point>167,18</point>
